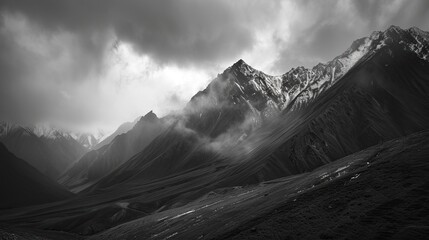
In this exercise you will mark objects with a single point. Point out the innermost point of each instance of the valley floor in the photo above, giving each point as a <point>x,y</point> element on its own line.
<point>378,193</point>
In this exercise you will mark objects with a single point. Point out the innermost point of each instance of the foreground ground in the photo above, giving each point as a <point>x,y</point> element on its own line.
<point>379,193</point>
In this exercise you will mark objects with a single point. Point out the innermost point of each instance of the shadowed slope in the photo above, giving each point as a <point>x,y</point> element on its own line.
<point>123,128</point>
<point>98,163</point>
<point>385,96</point>
<point>22,185</point>
<point>377,193</point>
<point>51,155</point>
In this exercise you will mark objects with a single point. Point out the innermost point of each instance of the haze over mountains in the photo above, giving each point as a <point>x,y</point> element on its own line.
<point>98,163</point>
<point>52,150</point>
<point>51,154</point>
<point>251,141</point>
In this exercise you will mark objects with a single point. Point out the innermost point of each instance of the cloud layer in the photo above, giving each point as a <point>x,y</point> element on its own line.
<point>99,63</point>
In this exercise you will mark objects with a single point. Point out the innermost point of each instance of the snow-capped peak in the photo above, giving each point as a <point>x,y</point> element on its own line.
<point>48,131</point>
<point>301,84</point>
<point>6,128</point>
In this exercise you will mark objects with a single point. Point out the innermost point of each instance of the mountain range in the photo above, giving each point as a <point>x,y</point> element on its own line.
<point>52,150</point>
<point>256,143</point>
<point>51,154</point>
<point>123,145</point>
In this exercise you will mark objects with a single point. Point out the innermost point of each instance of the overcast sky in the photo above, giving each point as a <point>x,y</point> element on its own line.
<point>89,64</point>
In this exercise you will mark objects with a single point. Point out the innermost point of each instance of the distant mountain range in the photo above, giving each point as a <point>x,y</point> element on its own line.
<point>51,154</point>
<point>112,152</point>
<point>51,150</point>
<point>22,185</point>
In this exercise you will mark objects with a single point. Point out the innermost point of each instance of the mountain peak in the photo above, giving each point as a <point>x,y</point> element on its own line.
<point>241,66</point>
<point>394,28</point>
<point>240,62</point>
<point>150,116</point>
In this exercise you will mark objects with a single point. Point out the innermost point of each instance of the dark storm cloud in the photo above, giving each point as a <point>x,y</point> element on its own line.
<point>170,31</point>
<point>329,27</point>
<point>66,44</point>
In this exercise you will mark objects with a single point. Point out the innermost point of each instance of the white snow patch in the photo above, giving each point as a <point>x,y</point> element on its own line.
<point>183,214</point>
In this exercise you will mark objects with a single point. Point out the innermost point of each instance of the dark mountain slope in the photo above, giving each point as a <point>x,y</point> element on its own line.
<point>100,162</point>
<point>22,185</point>
<point>170,153</point>
<point>235,103</point>
<point>123,128</point>
<point>240,96</point>
<point>26,145</point>
<point>384,96</point>
<point>51,155</point>
<point>377,193</point>
<point>383,198</point>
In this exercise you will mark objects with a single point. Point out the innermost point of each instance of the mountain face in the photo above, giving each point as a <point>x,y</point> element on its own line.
<point>257,127</point>
<point>89,140</point>
<point>22,185</point>
<point>123,128</point>
<point>97,163</point>
<point>49,151</point>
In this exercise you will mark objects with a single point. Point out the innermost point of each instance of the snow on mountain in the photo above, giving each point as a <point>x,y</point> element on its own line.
<point>241,98</point>
<point>301,85</point>
<point>89,140</point>
<point>45,130</point>
<point>48,149</point>
<point>86,139</point>
<point>8,128</point>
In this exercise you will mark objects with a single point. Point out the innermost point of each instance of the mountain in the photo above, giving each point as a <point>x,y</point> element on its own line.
<point>123,128</point>
<point>50,151</point>
<point>97,163</point>
<point>375,91</point>
<point>250,136</point>
<point>22,185</point>
<point>89,140</point>
<point>241,99</point>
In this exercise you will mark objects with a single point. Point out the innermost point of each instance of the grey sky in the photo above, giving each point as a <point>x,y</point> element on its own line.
<point>88,63</point>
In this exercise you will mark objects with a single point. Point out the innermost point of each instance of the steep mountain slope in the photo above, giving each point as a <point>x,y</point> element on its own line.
<point>97,163</point>
<point>22,185</point>
<point>377,193</point>
<point>123,128</point>
<point>384,96</point>
<point>65,150</point>
<point>51,153</point>
<point>89,140</point>
<point>239,98</point>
